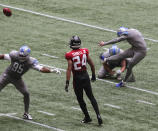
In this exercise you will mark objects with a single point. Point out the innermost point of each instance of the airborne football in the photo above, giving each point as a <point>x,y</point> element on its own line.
<point>7,12</point>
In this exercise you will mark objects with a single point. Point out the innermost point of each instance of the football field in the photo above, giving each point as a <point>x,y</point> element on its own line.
<point>46,27</point>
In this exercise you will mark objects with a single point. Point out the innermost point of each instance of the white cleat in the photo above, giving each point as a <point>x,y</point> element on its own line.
<point>27,116</point>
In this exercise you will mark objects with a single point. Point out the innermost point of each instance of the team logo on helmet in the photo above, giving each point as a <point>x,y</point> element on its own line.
<point>75,42</point>
<point>24,51</point>
<point>114,50</point>
<point>122,31</point>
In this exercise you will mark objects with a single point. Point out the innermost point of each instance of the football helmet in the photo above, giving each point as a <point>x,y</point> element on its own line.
<point>75,42</point>
<point>122,31</point>
<point>114,50</point>
<point>24,53</point>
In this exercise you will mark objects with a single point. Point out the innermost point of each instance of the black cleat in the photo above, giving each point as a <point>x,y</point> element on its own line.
<point>99,120</point>
<point>86,120</point>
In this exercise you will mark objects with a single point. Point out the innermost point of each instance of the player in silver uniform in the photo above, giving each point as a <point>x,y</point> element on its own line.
<point>106,69</point>
<point>137,51</point>
<point>21,62</point>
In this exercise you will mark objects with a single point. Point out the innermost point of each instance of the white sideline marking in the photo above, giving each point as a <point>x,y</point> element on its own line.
<point>113,106</point>
<point>30,121</point>
<point>132,87</point>
<point>47,113</point>
<point>66,20</point>
<point>75,108</point>
<point>50,56</point>
<point>145,102</point>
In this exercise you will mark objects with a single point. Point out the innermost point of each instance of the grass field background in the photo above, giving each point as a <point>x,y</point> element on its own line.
<point>50,36</point>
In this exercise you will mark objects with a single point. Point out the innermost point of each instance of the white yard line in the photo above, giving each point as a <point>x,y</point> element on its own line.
<point>50,56</point>
<point>2,114</point>
<point>66,20</point>
<point>30,121</point>
<point>47,113</point>
<point>145,102</point>
<point>113,106</point>
<point>75,108</point>
<point>53,67</point>
<point>107,81</point>
<point>148,48</point>
<point>106,49</point>
<point>132,87</point>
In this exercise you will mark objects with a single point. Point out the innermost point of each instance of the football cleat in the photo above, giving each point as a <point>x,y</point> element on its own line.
<point>121,84</point>
<point>99,120</point>
<point>27,116</point>
<point>86,120</point>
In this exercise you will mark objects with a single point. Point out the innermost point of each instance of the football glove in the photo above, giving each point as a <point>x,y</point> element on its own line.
<point>118,72</point>
<point>57,71</point>
<point>66,86</point>
<point>93,78</point>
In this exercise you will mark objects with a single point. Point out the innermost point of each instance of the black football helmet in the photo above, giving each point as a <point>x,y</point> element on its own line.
<point>75,42</point>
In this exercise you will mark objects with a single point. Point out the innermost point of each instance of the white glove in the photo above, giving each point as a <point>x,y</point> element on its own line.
<point>57,71</point>
<point>118,72</point>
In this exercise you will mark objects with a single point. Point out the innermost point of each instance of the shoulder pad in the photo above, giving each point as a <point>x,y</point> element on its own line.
<point>13,53</point>
<point>33,61</point>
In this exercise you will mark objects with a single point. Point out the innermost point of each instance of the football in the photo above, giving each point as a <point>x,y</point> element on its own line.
<point>7,12</point>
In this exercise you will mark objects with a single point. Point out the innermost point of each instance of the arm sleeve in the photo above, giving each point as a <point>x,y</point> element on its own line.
<point>116,40</point>
<point>7,57</point>
<point>36,65</point>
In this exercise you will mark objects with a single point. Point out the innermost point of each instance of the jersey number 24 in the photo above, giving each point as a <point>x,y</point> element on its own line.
<point>78,64</point>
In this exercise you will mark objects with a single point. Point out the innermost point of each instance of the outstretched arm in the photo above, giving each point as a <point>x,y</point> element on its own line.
<point>4,57</point>
<point>44,69</point>
<point>90,62</point>
<point>116,40</point>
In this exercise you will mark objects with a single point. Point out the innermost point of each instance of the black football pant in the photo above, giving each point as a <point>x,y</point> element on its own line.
<point>81,82</point>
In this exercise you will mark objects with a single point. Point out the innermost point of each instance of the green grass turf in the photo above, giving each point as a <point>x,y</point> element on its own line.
<point>45,35</point>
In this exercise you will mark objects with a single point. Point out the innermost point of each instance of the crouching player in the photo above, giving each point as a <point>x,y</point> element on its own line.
<point>21,62</point>
<point>107,68</point>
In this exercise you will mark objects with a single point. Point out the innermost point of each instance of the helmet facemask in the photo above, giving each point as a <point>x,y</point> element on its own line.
<point>75,42</point>
<point>122,31</point>
<point>24,53</point>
